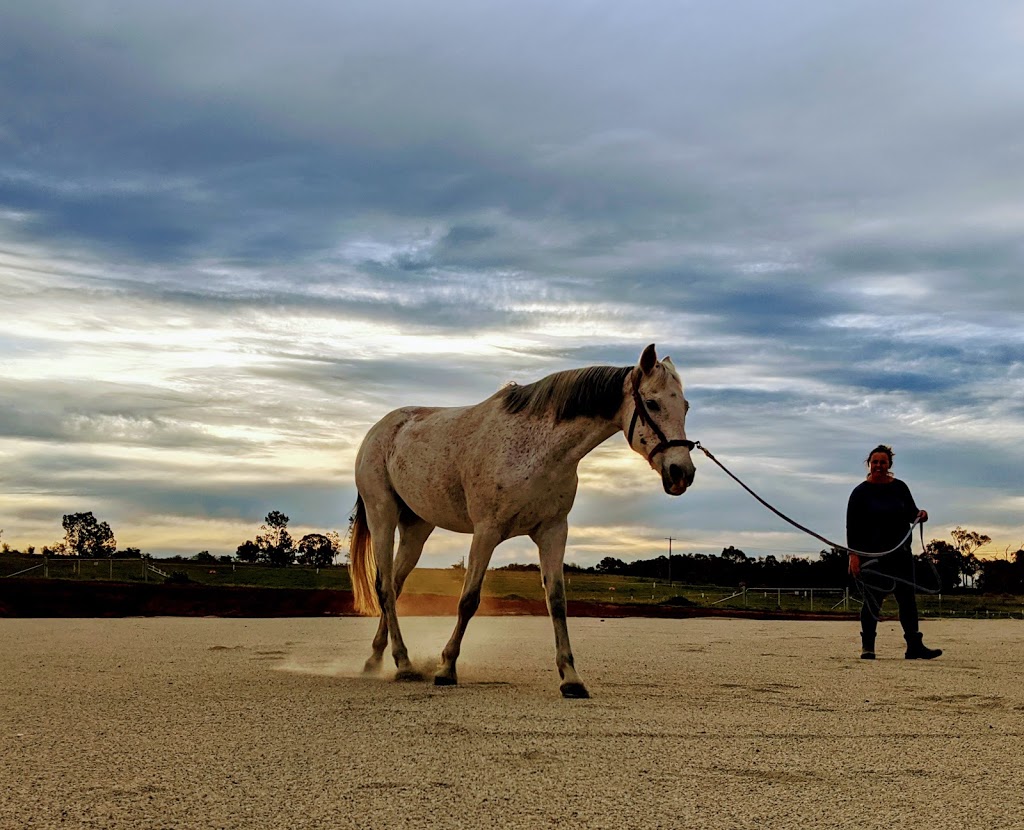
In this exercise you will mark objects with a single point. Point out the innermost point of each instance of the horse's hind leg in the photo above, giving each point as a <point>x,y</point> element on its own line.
<point>413,533</point>
<point>484,543</point>
<point>380,642</point>
<point>550,541</point>
<point>382,519</point>
<point>383,533</point>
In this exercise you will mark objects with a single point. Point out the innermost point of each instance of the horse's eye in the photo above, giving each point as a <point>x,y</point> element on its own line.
<point>652,405</point>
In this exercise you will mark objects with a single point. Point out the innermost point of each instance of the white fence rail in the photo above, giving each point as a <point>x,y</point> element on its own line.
<point>58,565</point>
<point>824,597</point>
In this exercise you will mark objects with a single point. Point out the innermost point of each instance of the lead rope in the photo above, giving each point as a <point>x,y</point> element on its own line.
<point>807,530</point>
<point>867,569</point>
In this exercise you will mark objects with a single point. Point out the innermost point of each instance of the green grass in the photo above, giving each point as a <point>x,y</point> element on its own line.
<point>512,584</point>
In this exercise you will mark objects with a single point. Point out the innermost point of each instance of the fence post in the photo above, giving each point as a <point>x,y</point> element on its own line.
<point>812,599</point>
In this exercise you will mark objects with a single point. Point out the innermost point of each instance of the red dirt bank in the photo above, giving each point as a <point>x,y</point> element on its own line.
<point>65,598</point>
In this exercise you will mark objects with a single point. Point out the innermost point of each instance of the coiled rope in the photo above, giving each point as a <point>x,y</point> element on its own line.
<point>864,587</point>
<point>807,530</point>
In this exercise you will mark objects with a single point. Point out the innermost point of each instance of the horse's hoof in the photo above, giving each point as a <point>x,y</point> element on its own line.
<point>574,690</point>
<point>372,665</point>
<point>445,680</point>
<point>408,676</point>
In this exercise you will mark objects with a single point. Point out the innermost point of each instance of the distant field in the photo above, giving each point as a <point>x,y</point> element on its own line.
<point>508,584</point>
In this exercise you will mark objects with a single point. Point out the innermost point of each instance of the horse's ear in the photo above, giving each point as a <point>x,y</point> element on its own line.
<point>648,359</point>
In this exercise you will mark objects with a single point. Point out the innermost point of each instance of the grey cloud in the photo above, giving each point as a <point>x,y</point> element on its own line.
<point>95,413</point>
<point>740,184</point>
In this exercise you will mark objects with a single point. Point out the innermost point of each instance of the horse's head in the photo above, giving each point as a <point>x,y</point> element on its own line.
<point>655,424</point>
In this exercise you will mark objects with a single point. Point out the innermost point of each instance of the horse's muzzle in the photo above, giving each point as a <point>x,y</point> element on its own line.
<point>676,478</point>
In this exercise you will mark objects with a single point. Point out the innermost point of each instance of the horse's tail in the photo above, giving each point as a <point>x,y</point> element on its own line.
<point>362,567</point>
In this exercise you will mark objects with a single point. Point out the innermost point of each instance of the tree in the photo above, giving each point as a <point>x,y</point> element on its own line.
<point>316,549</point>
<point>946,560</point>
<point>1003,575</point>
<point>248,551</point>
<point>735,555</point>
<point>336,541</point>
<point>968,541</point>
<point>956,562</point>
<point>84,536</point>
<point>611,565</point>
<point>275,542</point>
<point>835,564</point>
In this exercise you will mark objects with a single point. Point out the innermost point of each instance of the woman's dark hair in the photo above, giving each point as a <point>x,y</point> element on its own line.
<point>880,448</point>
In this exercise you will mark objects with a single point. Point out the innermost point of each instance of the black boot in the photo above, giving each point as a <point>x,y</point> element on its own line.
<point>867,646</point>
<point>916,650</point>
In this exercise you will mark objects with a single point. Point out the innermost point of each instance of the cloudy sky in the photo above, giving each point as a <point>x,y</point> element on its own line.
<point>233,235</point>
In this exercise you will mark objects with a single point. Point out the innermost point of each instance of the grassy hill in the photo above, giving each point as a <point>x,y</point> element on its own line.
<point>499,585</point>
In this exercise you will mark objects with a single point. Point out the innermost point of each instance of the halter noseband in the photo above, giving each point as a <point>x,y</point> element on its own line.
<point>640,413</point>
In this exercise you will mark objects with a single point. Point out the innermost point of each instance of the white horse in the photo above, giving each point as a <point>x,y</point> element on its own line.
<point>505,467</point>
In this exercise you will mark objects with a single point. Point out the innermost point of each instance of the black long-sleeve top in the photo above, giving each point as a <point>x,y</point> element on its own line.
<point>878,516</point>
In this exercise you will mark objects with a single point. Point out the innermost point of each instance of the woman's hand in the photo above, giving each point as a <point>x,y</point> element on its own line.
<point>854,566</point>
<point>922,516</point>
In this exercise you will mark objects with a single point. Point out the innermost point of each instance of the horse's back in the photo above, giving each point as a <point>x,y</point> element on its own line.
<point>415,452</point>
<point>389,436</point>
<point>456,466</point>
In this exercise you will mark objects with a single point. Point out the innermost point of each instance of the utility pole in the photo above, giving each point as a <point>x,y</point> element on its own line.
<point>670,538</point>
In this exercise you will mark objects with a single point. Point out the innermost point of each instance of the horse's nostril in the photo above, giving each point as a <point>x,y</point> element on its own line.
<point>678,475</point>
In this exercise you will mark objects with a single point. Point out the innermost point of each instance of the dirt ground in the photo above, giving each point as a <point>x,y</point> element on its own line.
<point>197,723</point>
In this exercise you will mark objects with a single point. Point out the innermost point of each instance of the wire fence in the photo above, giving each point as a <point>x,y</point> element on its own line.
<point>70,567</point>
<point>587,587</point>
<point>147,569</point>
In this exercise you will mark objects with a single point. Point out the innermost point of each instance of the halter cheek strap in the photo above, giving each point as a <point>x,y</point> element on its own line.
<point>640,413</point>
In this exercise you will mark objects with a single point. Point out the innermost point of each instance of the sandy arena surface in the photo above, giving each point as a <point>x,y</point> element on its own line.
<point>712,723</point>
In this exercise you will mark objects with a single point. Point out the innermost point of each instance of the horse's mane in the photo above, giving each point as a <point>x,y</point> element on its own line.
<point>595,391</point>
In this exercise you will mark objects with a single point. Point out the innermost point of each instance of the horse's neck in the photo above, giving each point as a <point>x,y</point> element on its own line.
<point>576,438</point>
<point>585,434</point>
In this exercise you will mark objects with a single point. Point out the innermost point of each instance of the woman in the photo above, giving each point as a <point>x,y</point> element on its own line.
<point>878,516</point>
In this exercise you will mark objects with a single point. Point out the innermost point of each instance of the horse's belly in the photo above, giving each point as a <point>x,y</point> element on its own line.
<point>435,495</point>
<point>441,509</point>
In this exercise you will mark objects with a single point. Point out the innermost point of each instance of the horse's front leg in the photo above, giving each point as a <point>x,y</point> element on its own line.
<point>550,539</point>
<point>484,543</point>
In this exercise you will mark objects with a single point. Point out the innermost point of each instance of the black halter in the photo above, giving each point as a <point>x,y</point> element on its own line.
<point>640,413</point>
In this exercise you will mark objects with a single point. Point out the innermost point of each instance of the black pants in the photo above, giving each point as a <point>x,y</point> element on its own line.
<point>892,574</point>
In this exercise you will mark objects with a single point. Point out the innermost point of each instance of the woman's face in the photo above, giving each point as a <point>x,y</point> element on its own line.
<point>878,466</point>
